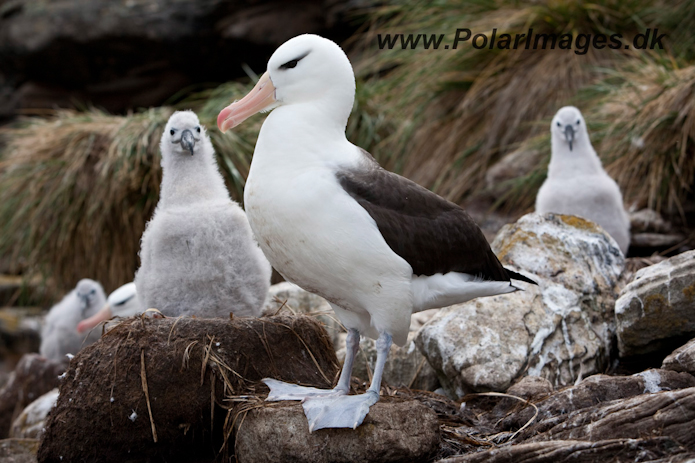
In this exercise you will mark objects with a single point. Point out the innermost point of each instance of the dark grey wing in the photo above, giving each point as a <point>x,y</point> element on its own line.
<point>432,234</point>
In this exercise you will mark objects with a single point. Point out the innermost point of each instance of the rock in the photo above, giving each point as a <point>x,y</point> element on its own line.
<point>656,308</point>
<point>406,366</point>
<point>32,421</point>
<point>18,450</point>
<point>5,378</point>
<point>420,319</point>
<point>682,359</point>
<point>20,332</point>
<point>577,451</point>
<point>393,431</point>
<point>655,240</point>
<point>668,413</point>
<point>648,221</point>
<point>130,54</point>
<point>287,297</point>
<point>33,377</point>
<point>561,330</point>
<point>531,388</point>
<point>593,391</point>
<point>164,389</point>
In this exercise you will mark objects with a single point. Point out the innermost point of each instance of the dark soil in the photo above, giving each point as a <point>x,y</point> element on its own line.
<point>187,367</point>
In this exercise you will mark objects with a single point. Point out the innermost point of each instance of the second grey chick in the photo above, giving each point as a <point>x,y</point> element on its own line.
<point>59,335</point>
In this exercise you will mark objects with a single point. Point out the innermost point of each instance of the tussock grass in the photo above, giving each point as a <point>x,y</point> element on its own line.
<point>76,190</point>
<point>649,135</point>
<point>458,111</point>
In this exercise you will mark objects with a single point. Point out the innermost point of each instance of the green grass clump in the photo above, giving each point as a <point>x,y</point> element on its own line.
<point>457,112</point>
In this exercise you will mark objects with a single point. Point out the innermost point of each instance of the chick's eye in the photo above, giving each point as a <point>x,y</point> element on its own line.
<point>577,121</point>
<point>197,129</point>
<point>558,124</point>
<point>290,64</point>
<point>172,131</point>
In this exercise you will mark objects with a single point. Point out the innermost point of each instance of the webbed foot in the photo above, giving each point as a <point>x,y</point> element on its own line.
<point>345,411</point>
<point>280,390</point>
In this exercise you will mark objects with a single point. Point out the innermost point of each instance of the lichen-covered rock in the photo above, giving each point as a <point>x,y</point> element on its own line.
<point>33,377</point>
<point>560,330</point>
<point>393,431</point>
<point>160,389</point>
<point>593,391</point>
<point>658,306</point>
<point>681,359</point>
<point>286,297</point>
<point>31,422</point>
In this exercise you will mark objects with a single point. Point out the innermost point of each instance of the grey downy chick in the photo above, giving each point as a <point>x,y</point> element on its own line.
<point>123,302</point>
<point>577,184</point>
<point>59,335</point>
<point>198,255</point>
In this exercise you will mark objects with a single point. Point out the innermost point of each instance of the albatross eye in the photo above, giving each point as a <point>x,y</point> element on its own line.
<point>290,64</point>
<point>559,125</point>
<point>577,121</point>
<point>197,129</point>
<point>172,131</point>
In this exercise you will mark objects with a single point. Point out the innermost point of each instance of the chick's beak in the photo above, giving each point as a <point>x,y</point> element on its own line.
<point>259,98</point>
<point>569,135</point>
<point>188,140</point>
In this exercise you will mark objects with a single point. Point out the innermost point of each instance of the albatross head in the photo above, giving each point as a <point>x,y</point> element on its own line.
<point>305,69</point>
<point>89,293</point>
<point>568,126</point>
<point>181,133</point>
<point>120,303</point>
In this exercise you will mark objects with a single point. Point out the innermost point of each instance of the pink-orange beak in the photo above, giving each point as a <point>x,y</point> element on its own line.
<point>258,99</point>
<point>89,323</point>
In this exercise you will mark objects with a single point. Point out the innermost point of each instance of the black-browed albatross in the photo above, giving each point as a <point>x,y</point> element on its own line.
<point>376,245</point>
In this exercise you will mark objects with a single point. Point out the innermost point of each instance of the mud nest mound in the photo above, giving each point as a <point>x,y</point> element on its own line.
<point>171,389</point>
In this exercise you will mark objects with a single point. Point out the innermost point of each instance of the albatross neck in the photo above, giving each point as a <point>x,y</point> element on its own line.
<point>189,179</point>
<point>564,163</point>
<point>303,133</point>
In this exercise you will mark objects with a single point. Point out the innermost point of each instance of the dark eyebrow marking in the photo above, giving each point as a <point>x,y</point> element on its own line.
<point>292,63</point>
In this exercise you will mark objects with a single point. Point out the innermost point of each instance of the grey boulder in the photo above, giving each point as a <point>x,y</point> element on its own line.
<point>561,329</point>
<point>657,307</point>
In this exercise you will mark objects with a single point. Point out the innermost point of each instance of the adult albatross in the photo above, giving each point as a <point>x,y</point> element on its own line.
<point>377,246</point>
